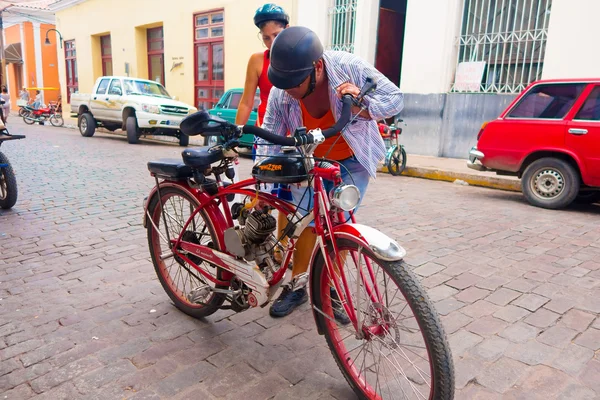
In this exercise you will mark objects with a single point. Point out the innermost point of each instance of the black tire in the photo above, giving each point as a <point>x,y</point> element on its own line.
<point>215,300</point>
<point>588,197</point>
<point>86,124</point>
<point>8,184</point>
<point>184,140</point>
<point>550,183</point>
<point>57,120</point>
<point>432,332</point>
<point>397,161</point>
<point>28,118</point>
<point>23,111</point>
<point>133,131</point>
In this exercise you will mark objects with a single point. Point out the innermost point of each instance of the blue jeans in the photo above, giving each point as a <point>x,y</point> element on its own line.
<point>353,173</point>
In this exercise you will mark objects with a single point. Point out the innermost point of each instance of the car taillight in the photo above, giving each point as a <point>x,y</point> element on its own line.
<point>481,130</point>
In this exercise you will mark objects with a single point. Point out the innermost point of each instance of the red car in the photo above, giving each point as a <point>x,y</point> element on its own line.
<point>549,137</point>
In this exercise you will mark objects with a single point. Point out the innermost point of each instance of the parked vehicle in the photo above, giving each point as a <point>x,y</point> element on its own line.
<point>395,156</point>
<point>8,181</point>
<point>394,344</point>
<point>227,108</point>
<point>32,115</point>
<point>138,106</point>
<point>549,136</point>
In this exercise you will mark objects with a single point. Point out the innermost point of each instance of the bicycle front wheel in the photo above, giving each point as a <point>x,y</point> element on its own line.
<point>397,161</point>
<point>188,288</point>
<point>399,349</point>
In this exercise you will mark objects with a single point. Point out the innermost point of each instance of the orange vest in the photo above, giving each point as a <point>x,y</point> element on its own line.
<point>332,148</point>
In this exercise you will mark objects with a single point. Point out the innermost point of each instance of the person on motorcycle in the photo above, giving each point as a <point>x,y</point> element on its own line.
<point>308,85</point>
<point>270,19</point>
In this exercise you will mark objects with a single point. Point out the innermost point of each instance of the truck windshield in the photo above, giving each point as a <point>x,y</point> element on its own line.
<point>145,88</point>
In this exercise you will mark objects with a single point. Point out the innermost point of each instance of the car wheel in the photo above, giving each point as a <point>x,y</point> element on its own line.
<point>87,125</point>
<point>133,131</point>
<point>550,183</point>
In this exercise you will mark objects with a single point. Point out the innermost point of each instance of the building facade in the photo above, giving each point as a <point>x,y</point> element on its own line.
<point>29,61</point>
<point>197,49</point>
<point>460,62</point>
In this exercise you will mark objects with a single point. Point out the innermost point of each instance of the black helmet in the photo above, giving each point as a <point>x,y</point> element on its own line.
<point>293,56</point>
<point>270,12</point>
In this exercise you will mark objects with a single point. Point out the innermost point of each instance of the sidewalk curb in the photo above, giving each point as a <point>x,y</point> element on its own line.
<point>512,185</point>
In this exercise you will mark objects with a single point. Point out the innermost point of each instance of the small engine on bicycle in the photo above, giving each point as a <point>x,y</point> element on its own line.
<point>253,239</point>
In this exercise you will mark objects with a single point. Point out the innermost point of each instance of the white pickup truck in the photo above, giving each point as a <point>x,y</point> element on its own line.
<point>138,106</point>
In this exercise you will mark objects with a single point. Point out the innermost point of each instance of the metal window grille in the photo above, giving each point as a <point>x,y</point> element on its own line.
<point>342,17</point>
<point>509,36</point>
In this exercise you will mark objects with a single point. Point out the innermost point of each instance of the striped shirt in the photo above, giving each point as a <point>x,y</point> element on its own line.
<point>285,115</point>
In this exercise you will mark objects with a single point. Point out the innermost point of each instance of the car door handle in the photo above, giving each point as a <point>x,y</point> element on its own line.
<point>577,131</point>
<point>95,98</point>
<point>219,113</point>
<point>107,99</point>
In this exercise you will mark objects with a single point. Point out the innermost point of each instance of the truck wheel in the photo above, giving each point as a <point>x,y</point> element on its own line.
<point>133,131</point>
<point>550,183</point>
<point>87,125</point>
<point>184,139</point>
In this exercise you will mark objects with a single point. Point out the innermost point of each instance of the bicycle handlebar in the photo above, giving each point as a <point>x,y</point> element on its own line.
<point>304,138</point>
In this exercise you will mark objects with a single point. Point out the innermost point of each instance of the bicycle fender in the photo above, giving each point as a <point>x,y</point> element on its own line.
<point>215,217</point>
<point>382,245</point>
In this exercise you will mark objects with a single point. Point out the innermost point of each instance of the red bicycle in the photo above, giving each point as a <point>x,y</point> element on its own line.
<point>209,255</point>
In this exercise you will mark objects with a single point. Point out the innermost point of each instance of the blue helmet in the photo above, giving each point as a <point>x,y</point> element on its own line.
<point>270,12</point>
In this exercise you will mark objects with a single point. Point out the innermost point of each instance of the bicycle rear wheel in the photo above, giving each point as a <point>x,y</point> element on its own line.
<point>188,288</point>
<point>401,351</point>
<point>397,161</point>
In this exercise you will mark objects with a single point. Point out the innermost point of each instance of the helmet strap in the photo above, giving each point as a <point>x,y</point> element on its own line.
<point>312,84</point>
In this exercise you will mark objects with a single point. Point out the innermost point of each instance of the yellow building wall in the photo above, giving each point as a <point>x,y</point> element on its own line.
<point>127,27</point>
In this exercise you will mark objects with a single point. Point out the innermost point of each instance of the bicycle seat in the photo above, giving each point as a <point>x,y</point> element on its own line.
<point>170,168</point>
<point>202,157</point>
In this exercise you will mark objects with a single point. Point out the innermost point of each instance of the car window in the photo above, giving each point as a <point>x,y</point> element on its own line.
<point>234,100</point>
<point>102,86</point>
<point>550,101</point>
<point>591,108</point>
<point>146,88</point>
<point>115,87</point>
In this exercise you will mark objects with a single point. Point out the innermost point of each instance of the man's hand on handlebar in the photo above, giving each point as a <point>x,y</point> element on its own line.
<point>349,88</point>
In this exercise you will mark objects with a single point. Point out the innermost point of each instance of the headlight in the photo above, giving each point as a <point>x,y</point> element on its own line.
<point>345,197</point>
<point>192,111</point>
<point>150,108</point>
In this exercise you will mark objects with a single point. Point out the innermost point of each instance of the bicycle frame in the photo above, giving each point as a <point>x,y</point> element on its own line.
<point>325,227</point>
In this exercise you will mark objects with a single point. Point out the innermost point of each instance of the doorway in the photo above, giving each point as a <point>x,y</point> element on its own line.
<point>390,38</point>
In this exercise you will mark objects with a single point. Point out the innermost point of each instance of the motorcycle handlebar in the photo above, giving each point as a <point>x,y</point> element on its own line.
<point>308,138</point>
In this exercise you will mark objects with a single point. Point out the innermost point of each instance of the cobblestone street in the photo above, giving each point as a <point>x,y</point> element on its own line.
<point>83,315</point>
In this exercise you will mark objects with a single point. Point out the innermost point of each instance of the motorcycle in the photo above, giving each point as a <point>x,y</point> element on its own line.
<point>32,115</point>
<point>8,181</point>
<point>210,255</point>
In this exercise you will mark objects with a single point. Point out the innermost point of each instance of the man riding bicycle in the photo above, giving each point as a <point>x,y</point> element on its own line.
<point>308,86</point>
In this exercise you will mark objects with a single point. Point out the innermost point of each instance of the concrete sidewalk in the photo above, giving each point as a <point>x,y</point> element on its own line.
<point>453,169</point>
<point>427,167</point>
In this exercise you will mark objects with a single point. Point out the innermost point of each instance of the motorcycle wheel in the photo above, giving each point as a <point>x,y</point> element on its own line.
<point>29,120</point>
<point>8,184</point>
<point>57,120</point>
